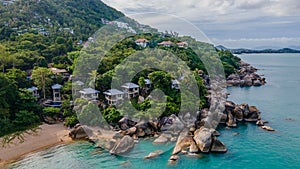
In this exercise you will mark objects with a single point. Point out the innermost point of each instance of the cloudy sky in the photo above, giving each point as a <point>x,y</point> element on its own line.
<point>232,23</point>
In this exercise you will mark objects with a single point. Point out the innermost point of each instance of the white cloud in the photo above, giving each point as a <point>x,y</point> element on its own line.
<point>227,18</point>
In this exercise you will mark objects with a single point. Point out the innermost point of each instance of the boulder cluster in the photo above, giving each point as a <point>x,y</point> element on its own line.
<point>189,130</point>
<point>245,76</point>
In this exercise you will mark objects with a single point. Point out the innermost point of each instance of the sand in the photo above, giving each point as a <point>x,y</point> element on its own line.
<point>47,136</point>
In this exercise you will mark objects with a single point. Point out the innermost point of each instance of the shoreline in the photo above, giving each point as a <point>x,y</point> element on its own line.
<point>46,137</point>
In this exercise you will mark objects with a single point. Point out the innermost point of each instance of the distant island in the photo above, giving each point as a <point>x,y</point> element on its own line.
<point>247,51</point>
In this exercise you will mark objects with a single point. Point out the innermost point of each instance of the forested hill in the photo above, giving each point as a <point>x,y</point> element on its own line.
<point>77,17</point>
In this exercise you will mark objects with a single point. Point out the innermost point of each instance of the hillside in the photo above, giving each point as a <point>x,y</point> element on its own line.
<point>36,34</point>
<point>79,18</point>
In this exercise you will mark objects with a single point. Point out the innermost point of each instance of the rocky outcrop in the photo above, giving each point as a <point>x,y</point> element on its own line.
<point>122,146</point>
<point>245,76</point>
<point>125,123</point>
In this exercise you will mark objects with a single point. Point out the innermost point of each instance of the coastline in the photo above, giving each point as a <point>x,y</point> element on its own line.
<point>46,137</point>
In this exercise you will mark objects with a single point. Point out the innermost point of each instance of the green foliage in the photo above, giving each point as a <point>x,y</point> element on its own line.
<point>18,109</point>
<point>112,115</point>
<point>71,121</point>
<point>51,111</point>
<point>26,118</point>
<point>229,61</point>
<point>41,78</point>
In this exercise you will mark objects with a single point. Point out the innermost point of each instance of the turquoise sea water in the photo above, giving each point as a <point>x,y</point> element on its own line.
<point>252,148</point>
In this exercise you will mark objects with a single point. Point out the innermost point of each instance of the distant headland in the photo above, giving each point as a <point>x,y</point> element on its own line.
<point>249,51</point>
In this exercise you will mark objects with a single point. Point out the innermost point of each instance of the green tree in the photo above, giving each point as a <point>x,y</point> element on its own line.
<point>4,57</point>
<point>41,78</point>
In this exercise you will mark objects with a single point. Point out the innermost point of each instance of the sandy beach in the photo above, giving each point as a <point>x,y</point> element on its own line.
<point>47,136</point>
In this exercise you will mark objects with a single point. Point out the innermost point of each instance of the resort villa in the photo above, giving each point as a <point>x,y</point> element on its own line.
<point>148,84</point>
<point>89,94</point>
<point>114,96</point>
<point>62,72</point>
<point>34,91</point>
<point>175,84</point>
<point>56,92</point>
<point>130,90</point>
<point>142,42</point>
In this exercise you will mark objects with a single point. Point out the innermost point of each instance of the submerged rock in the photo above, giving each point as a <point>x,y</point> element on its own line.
<point>173,158</point>
<point>268,128</point>
<point>154,154</point>
<point>161,139</point>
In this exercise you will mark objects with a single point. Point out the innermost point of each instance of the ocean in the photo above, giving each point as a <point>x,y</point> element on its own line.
<point>252,148</point>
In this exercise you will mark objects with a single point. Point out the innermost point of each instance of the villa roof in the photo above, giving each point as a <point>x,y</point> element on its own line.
<point>166,43</point>
<point>112,92</point>
<point>33,88</point>
<point>141,40</point>
<point>88,91</point>
<point>56,71</point>
<point>56,86</point>
<point>130,85</point>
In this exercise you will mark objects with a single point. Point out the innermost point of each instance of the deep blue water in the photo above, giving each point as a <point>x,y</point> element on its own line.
<point>253,148</point>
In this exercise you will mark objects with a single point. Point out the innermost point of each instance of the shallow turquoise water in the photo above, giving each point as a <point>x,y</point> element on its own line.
<point>253,148</point>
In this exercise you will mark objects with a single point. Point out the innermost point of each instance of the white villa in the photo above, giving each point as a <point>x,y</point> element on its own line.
<point>131,90</point>
<point>165,43</point>
<point>175,84</point>
<point>148,84</point>
<point>142,42</point>
<point>56,92</point>
<point>34,91</point>
<point>89,94</point>
<point>114,96</point>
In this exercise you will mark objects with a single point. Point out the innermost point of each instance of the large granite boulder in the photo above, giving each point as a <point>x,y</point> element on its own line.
<point>174,125</point>
<point>231,121</point>
<point>247,80</point>
<point>257,83</point>
<point>125,123</point>
<point>253,114</point>
<point>203,139</point>
<point>81,132</point>
<point>145,129</point>
<point>184,142</point>
<point>238,113</point>
<point>218,146</point>
<point>122,146</point>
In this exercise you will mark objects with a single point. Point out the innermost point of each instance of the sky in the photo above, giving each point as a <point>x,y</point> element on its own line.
<point>232,23</point>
